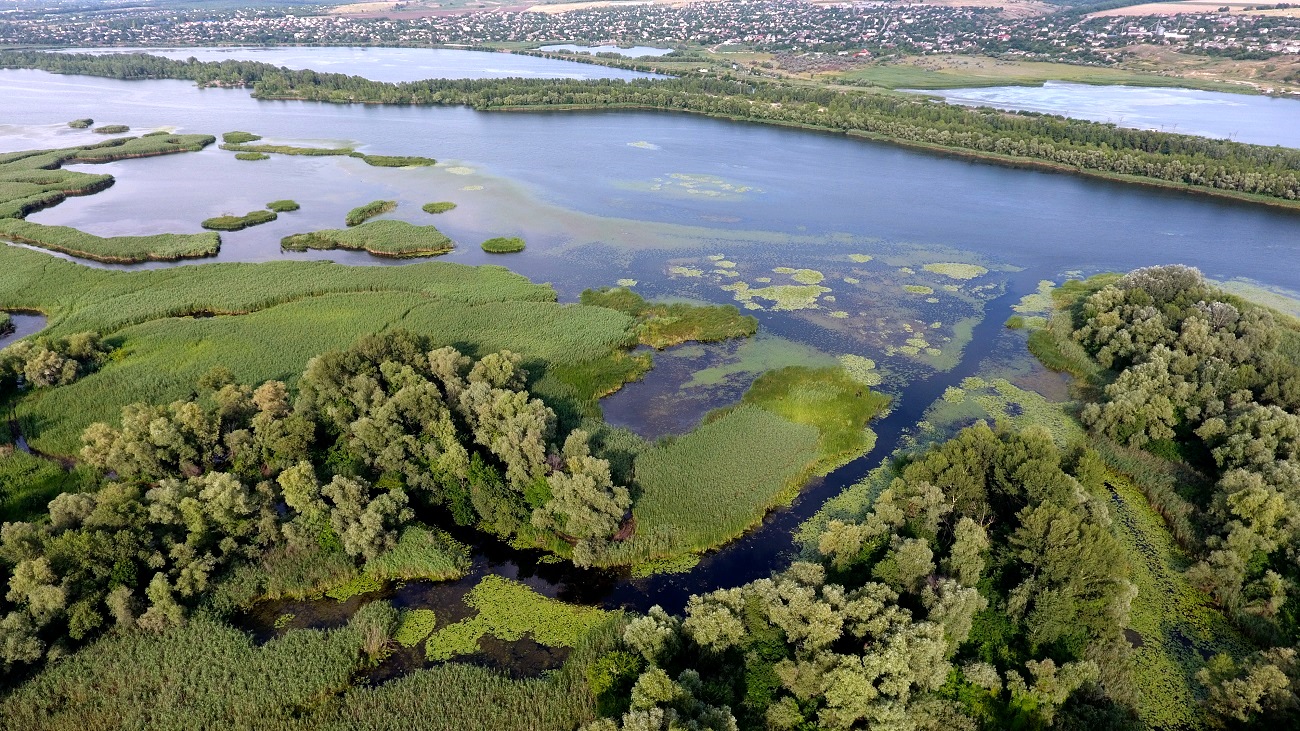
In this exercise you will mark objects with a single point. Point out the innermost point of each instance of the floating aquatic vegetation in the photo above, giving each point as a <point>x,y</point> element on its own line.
<point>626,282</point>
<point>918,289</point>
<point>784,270</point>
<point>643,145</point>
<point>860,258</point>
<point>695,185</point>
<point>460,170</point>
<point>951,288</point>
<point>717,257</point>
<point>723,264</point>
<point>683,271</point>
<point>851,280</point>
<point>762,280</point>
<point>956,270</point>
<point>829,298</point>
<point>932,300</point>
<point>808,276</point>
<point>472,187</point>
<point>839,314</point>
<point>906,270</point>
<point>786,297</point>
<point>753,306</point>
<point>415,625</point>
<point>726,272</point>
<point>1038,303</point>
<point>863,370</point>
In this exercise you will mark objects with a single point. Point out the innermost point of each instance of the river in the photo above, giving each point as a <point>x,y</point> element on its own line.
<point>673,205</point>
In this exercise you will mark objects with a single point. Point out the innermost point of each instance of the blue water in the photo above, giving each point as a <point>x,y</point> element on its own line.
<point>1260,120</point>
<point>392,64</point>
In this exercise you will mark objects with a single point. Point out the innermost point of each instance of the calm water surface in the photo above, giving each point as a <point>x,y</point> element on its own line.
<point>673,205</point>
<point>1260,120</point>
<point>393,64</point>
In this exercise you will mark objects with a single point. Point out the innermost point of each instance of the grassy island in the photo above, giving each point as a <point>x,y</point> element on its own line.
<point>438,207</point>
<point>111,250</point>
<point>503,245</point>
<point>283,206</point>
<point>382,238</point>
<point>112,129</point>
<point>252,156</point>
<point>236,223</point>
<point>361,214</point>
<point>81,123</point>
<point>239,138</point>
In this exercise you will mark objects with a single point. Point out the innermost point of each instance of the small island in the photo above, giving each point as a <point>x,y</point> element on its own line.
<point>503,245</point>
<point>237,223</point>
<point>112,129</point>
<point>397,239</point>
<point>438,207</point>
<point>81,123</point>
<point>361,214</point>
<point>283,206</point>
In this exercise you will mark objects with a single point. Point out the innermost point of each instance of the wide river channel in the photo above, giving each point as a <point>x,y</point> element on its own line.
<point>673,205</point>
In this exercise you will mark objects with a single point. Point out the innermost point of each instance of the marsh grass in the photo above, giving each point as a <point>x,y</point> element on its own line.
<point>112,250</point>
<point>828,399</point>
<point>81,123</point>
<point>438,207</point>
<point>28,483</point>
<point>252,156</point>
<point>421,553</point>
<point>386,237</point>
<point>661,325</point>
<point>281,314</point>
<point>237,223</point>
<point>707,487</point>
<point>361,214</point>
<point>509,610</point>
<point>383,161</point>
<point>503,245</point>
<point>283,206</point>
<point>112,129</point>
<point>239,138</point>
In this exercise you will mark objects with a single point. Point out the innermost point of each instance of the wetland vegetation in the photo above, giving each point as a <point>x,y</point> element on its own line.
<point>283,206</point>
<point>386,237</point>
<point>238,223</point>
<point>503,245</point>
<point>438,207</point>
<point>112,249</point>
<point>361,214</point>
<point>81,123</point>
<point>112,129</point>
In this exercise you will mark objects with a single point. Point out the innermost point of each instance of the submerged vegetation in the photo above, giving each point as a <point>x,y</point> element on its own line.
<point>664,325</point>
<point>382,238</point>
<point>503,245</point>
<point>237,223</point>
<point>361,214</point>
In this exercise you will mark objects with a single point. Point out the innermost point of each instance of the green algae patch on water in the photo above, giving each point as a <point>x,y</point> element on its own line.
<point>626,282</point>
<point>956,270</point>
<point>860,258</point>
<point>509,610</point>
<point>918,289</point>
<point>415,625</point>
<point>785,297</point>
<point>685,271</point>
